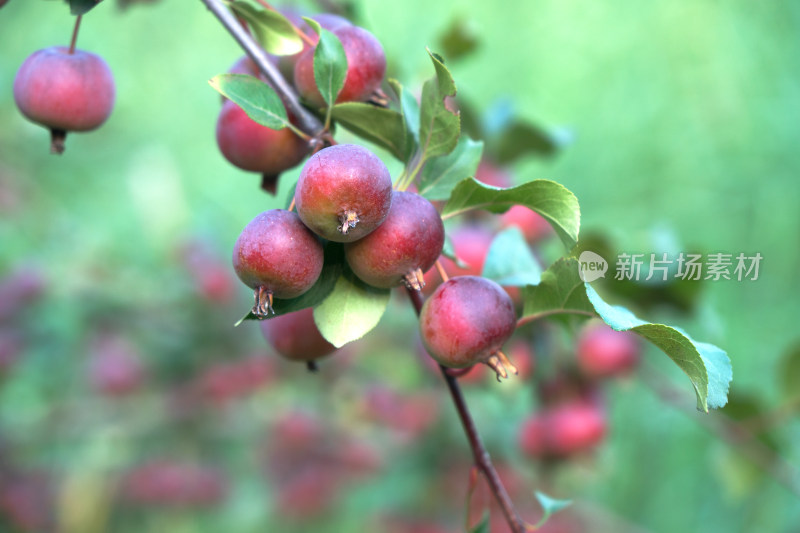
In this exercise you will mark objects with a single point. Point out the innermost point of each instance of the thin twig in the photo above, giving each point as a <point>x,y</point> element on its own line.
<point>482,459</point>
<point>75,34</point>
<point>306,120</point>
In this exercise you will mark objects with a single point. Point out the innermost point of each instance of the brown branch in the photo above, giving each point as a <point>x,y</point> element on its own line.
<point>482,459</point>
<point>306,120</point>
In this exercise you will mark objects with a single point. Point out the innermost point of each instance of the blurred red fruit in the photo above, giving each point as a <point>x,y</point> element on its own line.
<point>564,430</point>
<point>491,174</point>
<point>603,352</point>
<point>115,366</point>
<point>171,484</point>
<point>533,225</point>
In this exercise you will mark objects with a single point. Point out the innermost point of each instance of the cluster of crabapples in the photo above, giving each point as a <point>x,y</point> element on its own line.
<point>256,148</point>
<point>390,238</point>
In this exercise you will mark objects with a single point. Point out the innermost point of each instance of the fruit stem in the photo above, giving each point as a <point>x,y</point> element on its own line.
<point>269,183</point>
<point>307,122</point>
<point>57,138</point>
<point>312,366</point>
<point>75,35</point>
<point>291,205</point>
<point>482,459</point>
<point>440,269</point>
<point>297,30</point>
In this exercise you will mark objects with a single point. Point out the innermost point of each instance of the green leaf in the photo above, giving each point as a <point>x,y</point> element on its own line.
<point>550,506</point>
<point>260,101</point>
<point>330,63</point>
<point>449,251</point>
<point>384,127</point>
<point>562,291</point>
<point>324,286</point>
<point>442,174</point>
<point>409,109</point>
<point>439,126</point>
<point>550,199</point>
<point>483,525</point>
<point>271,29</point>
<point>351,311</point>
<point>81,7</point>
<point>510,261</point>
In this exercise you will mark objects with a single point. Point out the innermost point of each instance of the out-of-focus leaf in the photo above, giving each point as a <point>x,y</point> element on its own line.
<point>271,29</point>
<point>440,175</point>
<point>351,310</point>
<point>510,261</point>
<point>439,125</point>
<point>520,139</point>
<point>550,506</point>
<point>459,39</point>
<point>260,101</point>
<point>81,7</point>
<point>331,272</point>
<point>330,63</point>
<point>449,252</point>
<point>384,127</point>
<point>550,199</point>
<point>789,377</point>
<point>562,291</point>
<point>483,525</point>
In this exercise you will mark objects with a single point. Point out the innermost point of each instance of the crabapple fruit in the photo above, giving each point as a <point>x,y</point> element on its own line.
<point>466,321</point>
<point>276,255</point>
<point>533,225</point>
<point>64,90</point>
<point>603,352</point>
<point>251,146</point>
<point>404,246</point>
<point>366,66</point>
<point>563,430</point>
<point>295,336</point>
<point>344,192</point>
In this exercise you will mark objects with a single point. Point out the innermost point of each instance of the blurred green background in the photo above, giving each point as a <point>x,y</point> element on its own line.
<point>684,119</point>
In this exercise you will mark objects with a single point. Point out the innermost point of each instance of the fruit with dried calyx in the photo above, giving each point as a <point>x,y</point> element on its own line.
<point>64,90</point>
<point>404,246</point>
<point>466,321</point>
<point>344,192</point>
<point>277,256</point>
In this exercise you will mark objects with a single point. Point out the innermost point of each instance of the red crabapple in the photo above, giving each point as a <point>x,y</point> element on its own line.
<point>466,321</point>
<point>64,91</point>
<point>405,245</point>
<point>251,146</point>
<point>366,66</point>
<point>603,352</point>
<point>344,192</point>
<point>276,255</point>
